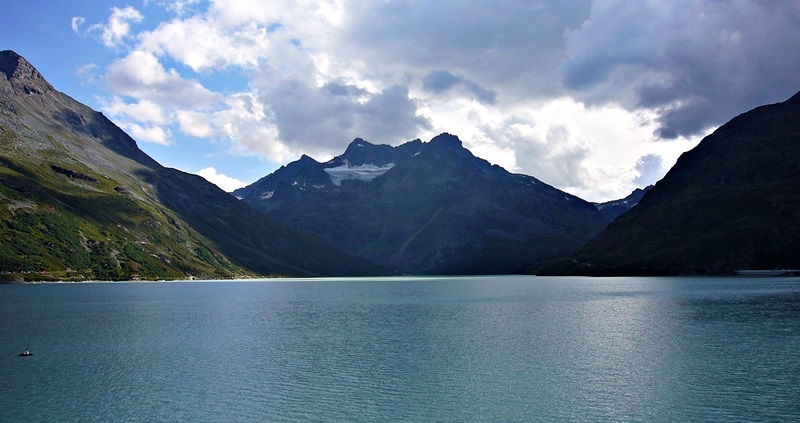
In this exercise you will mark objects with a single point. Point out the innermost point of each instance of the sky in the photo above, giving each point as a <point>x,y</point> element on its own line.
<point>594,97</point>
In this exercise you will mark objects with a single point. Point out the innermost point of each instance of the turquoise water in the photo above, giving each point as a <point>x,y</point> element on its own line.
<point>421,349</point>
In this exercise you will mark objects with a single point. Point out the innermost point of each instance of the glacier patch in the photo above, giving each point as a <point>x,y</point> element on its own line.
<point>365,172</point>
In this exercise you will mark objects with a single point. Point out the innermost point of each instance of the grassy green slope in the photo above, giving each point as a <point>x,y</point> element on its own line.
<point>84,225</point>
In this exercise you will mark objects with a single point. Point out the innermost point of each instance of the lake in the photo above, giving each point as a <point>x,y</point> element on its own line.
<point>496,349</point>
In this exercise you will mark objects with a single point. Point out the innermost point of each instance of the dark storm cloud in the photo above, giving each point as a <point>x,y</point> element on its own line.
<point>696,63</point>
<point>516,46</point>
<point>343,90</point>
<point>440,81</point>
<point>390,116</point>
<point>318,120</point>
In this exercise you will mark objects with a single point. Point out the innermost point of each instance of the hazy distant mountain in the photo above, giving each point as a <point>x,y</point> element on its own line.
<point>614,208</point>
<point>427,208</point>
<point>78,199</point>
<point>731,203</point>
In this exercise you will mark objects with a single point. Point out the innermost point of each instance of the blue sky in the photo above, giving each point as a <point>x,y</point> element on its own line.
<point>594,97</point>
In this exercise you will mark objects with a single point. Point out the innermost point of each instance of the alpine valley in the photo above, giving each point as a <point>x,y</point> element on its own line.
<point>79,200</point>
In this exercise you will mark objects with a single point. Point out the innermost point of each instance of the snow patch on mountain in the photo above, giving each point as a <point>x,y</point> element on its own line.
<point>365,172</point>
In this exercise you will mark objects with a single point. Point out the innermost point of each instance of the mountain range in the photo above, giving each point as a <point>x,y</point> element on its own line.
<point>427,208</point>
<point>79,200</point>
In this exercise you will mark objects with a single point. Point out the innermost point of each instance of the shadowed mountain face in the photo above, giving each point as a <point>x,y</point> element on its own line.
<point>80,200</point>
<point>427,208</point>
<point>731,203</point>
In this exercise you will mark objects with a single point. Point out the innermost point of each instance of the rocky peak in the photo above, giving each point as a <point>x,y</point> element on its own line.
<point>307,159</point>
<point>446,140</point>
<point>361,152</point>
<point>22,76</point>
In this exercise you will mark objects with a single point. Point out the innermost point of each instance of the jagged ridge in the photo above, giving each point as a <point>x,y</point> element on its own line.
<point>434,209</point>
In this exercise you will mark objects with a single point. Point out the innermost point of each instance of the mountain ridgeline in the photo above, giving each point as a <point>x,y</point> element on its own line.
<point>732,203</point>
<point>427,208</point>
<point>79,200</point>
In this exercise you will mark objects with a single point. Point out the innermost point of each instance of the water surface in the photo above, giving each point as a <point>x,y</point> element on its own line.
<point>418,349</point>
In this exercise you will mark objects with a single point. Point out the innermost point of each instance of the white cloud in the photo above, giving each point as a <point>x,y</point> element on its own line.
<point>118,27</point>
<point>140,75</point>
<point>77,21</point>
<point>196,124</point>
<point>577,94</point>
<point>249,127</point>
<point>179,7</point>
<point>226,183</point>
<point>514,48</point>
<point>148,133</point>
<point>202,44</point>
<point>144,120</point>
<point>142,111</point>
<point>589,152</point>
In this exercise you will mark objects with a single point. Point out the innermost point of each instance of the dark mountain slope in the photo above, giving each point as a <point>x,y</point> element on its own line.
<point>78,199</point>
<point>427,208</point>
<point>731,203</point>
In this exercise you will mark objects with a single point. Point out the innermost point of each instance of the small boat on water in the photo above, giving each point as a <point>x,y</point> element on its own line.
<point>26,353</point>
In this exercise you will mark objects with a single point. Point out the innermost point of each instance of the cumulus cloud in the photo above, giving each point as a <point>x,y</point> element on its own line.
<point>573,93</point>
<point>226,183</point>
<point>202,45</point>
<point>148,133</point>
<point>140,75</point>
<point>322,119</point>
<point>696,63</point>
<point>249,126</point>
<point>552,151</point>
<point>513,47</point>
<point>118,27</point>
<point>144,120</point>
<point>143,111</point>
<point>196,124</point>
